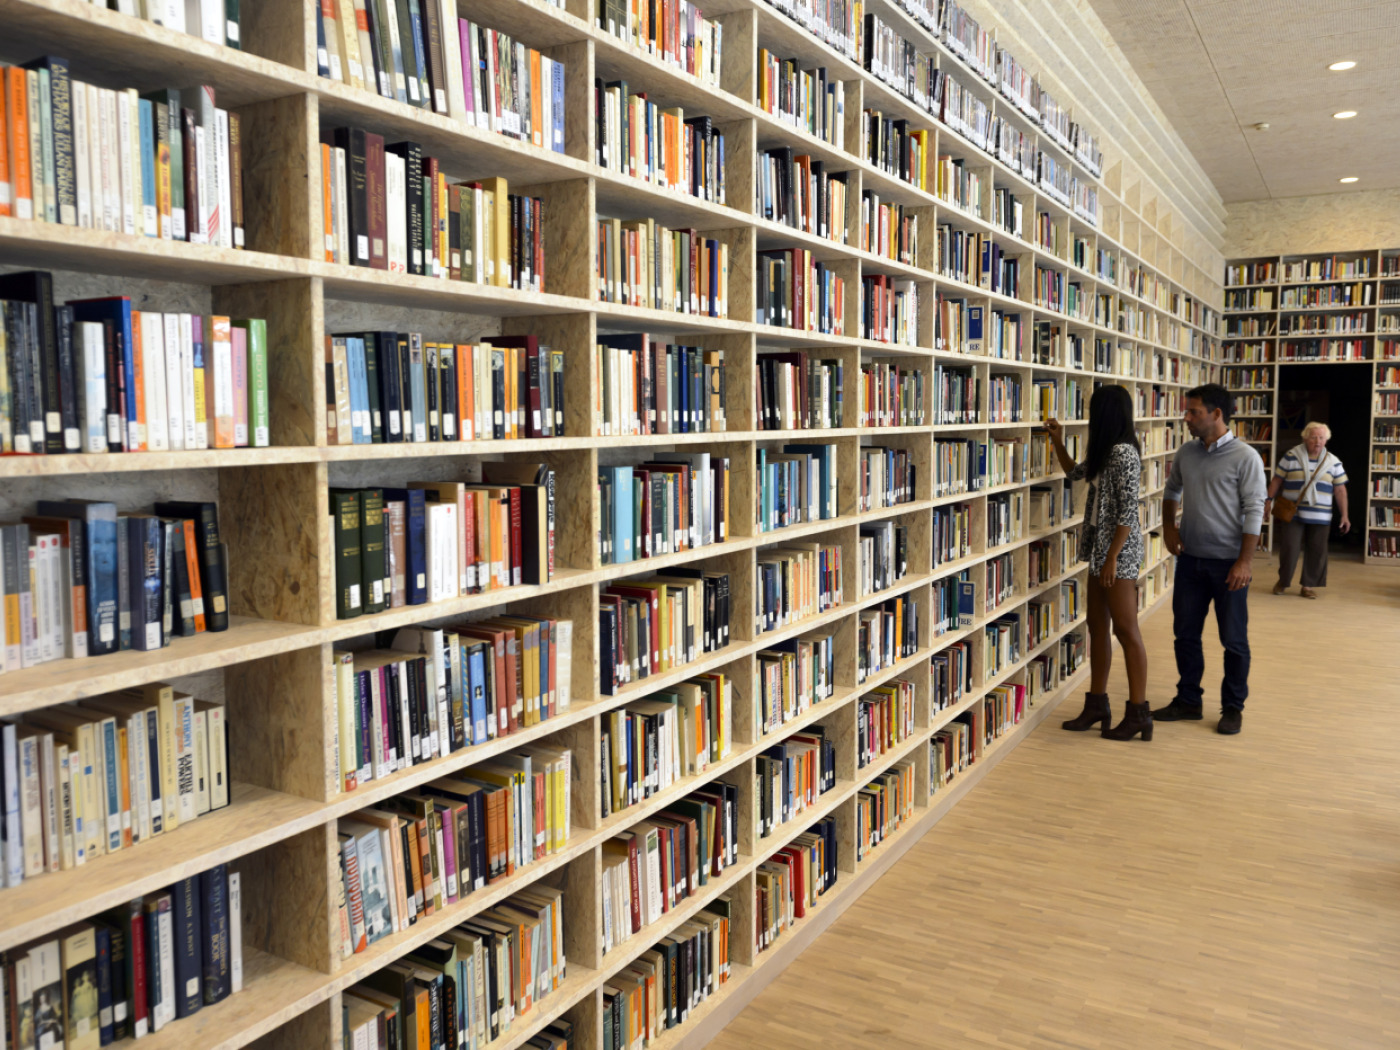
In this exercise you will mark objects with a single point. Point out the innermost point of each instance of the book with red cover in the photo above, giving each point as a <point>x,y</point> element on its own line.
<point>652,598</point>
<point>503,679</point>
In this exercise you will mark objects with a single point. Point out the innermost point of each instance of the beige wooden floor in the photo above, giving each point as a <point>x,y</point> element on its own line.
<point>1197,891</point>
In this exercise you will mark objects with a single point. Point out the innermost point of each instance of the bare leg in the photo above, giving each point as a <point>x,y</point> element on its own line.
<point>1122,603</point>
<point>1100,636</point>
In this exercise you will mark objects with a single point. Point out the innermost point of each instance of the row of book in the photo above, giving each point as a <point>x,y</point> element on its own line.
<point>1002,642</point>
<point>883,549</point>
<point>890,230</point>
<point>798,391</point>
<point>652,867</point>
<point>471,984</point>
<point>434,691</point>
<point>652,626</point>
<point>813,101</point>
<point>792,676</point>
<point>657,144</point>
<point>954,603</point>
<point>794,290</point>
<point>889,309</point>
<point>886,634</point>
<point>796,190</point>
<point>213,21</point>
<point>882,807</point>
<point>791,776</point>
<point>884,719</point>
<point>650,745</point>
<point>896,148</point>
<point>796,485</point>
<point>789,883</point>
<point>952,533</point>
<point>1317,324</point>
<point>1042,676</point>
<point>390,387</point>
<point>84,780</point>
<point>418,52</point>
<point>950,675</point>
<point>413,855</point>
<point>95,376</point>
<point>885,477</point>
<point>676,502</point>
<point>168,164</point>
<point>640,262</point>
<point>389,207</point>
<point>649,386</point>
<point>1006,518</point>
<point>797,581</point>
<point>1000,576</point>
<point>659,989</point>
<point>432,541</point>
<point>81,580</point>
<point>130,971</point>
<point>674,32</point>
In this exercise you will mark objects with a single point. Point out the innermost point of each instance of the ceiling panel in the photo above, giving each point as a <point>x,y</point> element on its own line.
<point>1218,67</point>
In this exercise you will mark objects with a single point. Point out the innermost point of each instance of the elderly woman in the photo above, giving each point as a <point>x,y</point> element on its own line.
<point>1310,476</point>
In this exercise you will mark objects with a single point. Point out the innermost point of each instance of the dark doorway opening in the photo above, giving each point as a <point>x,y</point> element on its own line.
<point>1340,396</point>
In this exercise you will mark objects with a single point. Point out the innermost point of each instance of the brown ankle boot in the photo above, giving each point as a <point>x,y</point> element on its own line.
<point>1096,710</point>
<point>1136,719</point>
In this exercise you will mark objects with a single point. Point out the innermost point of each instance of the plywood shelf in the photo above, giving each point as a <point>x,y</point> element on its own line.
<point>275,673</point>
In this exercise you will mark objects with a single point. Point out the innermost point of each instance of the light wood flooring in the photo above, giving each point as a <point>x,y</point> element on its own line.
<point>1198,891</point>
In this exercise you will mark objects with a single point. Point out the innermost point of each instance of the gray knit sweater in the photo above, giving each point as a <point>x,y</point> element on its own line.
<point>1221,493</point>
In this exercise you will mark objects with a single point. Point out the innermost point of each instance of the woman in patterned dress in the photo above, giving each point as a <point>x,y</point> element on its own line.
<point>1110,540</point>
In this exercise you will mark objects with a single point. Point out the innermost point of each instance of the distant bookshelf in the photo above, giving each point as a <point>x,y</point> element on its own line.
<point>1331,309</point>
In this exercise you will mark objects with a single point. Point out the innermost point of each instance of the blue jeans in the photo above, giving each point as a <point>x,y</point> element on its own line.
<point>1199,581</point>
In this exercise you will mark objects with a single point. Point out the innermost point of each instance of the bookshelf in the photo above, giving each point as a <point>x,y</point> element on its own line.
<point>1320,308</point>
<point>1148,319</point>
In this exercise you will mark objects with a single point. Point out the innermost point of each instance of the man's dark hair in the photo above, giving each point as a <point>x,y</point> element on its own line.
<point>1213,395</point>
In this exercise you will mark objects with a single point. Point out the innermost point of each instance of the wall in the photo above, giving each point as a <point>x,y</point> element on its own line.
<point>1330,222</point>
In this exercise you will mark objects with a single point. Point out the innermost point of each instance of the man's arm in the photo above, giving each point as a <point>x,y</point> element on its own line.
<point>1252,513</point>
<point>1243,570</point>
<point>1171,503</point>
<point>1170,536</point>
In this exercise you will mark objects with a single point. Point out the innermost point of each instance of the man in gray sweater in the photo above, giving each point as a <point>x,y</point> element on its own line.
<point>1218,480</point>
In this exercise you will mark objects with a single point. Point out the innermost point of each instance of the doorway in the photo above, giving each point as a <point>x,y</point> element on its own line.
<point>1340,396</point>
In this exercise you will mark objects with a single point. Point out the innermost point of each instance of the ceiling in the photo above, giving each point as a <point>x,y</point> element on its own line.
<point>1218,67</point>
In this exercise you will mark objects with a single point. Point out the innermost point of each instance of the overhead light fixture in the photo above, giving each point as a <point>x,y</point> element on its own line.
<point>1337,67</point>
<point>1349,178</point>
<point>1345,114</point>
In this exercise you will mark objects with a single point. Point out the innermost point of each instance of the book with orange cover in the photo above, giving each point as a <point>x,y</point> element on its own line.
<point>5,189</point>
<point>17,139</point>
<point>461,359</point>
<point>327,205</point>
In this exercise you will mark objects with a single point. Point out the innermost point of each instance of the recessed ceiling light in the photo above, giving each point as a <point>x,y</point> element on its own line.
<point>1345,114</point>
<point>1349,178</point>
<point>1337,67</point>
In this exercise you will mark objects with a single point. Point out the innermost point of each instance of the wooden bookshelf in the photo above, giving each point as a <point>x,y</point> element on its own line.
<point>1292,282</point>
<point>1160,317</point>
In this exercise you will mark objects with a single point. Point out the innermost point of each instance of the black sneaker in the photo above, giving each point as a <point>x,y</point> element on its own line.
<point>1229,722</point>
<point>1178,711</point>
